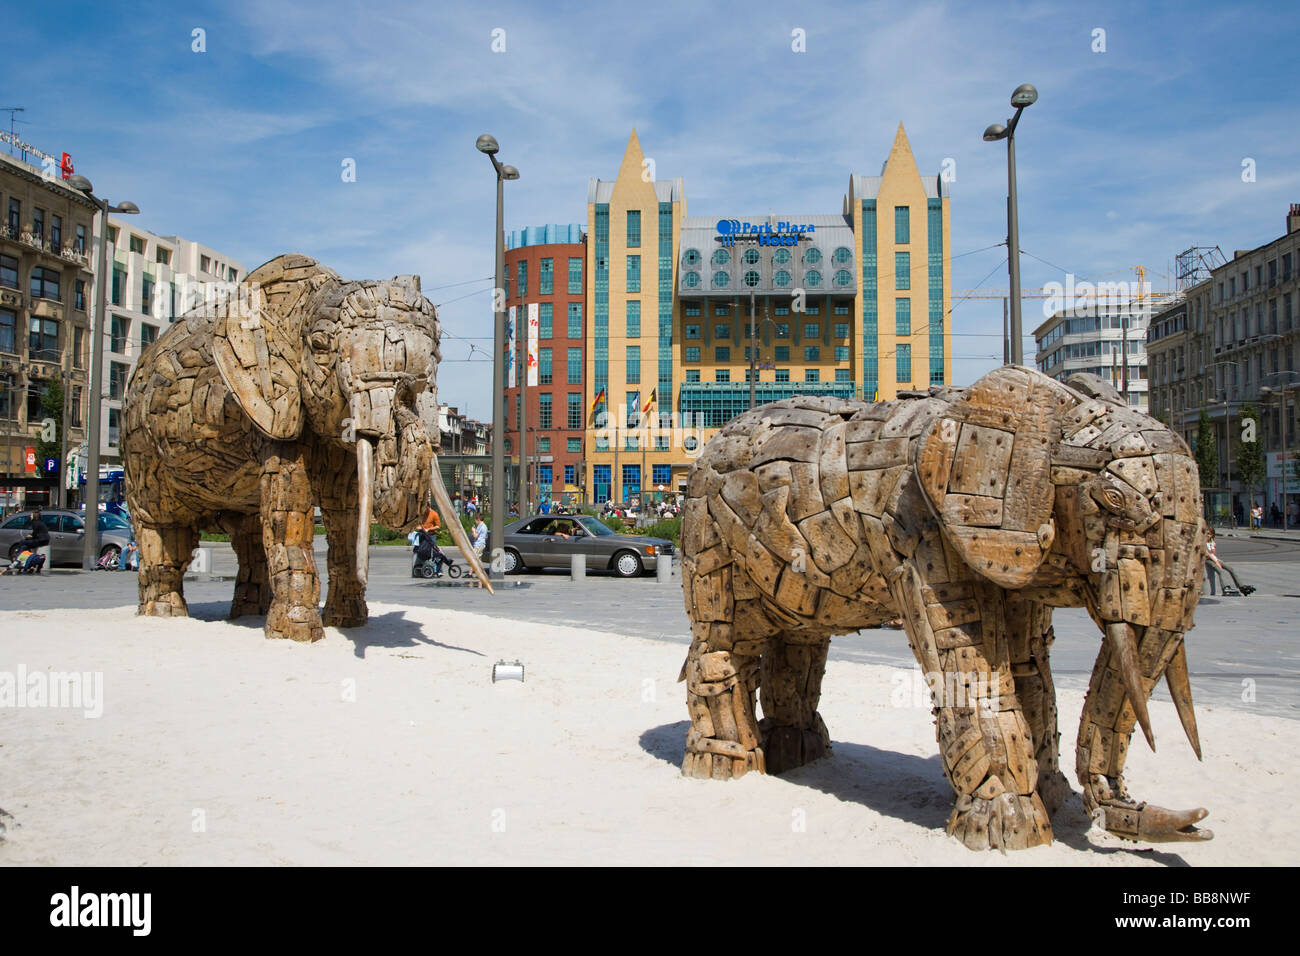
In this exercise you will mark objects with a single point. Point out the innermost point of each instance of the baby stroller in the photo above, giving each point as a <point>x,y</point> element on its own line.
<point>429,558</point>
<point>27,561</point>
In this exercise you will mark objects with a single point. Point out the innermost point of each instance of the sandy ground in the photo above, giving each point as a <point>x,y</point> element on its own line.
<point>391,745</point>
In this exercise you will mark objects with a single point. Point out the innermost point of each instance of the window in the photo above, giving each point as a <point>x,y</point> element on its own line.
<point>902,270</point>
<point>575,275</point>
<point>634,364</point>
<point>841,353</point>
<point>751,278</point>
<point>505,280</point>
<point>79,296</point>
<point>545,366</point>
<point>902,316</point>
<point>634,319</point>
<point>205,262</point>
<point>691,308</point>
<point>573,417</point>
<point>575,320</point>
<point>721,279</point>
<point>843,308</point>
<point>722,375</point>
<point>691,280</point>
<point>521,289</point>
<point>812,329</point>
<point>843,278</point>
<point>633,406</point>
<point>79,244</point>
<point>117,334</point>
<point>634,228</point>
<point>137,244</point>
<point>781,279</point>
<point>692,331</point>
<point>8,332</point>
<point>546,320</point>
<point>117,372</point>
<point>782,353</point>
<point>575,444</point>
<point>9,271</point>
<point>812,308</point>
<point>692,353</point>
<point>902,225</point>
<point>783,375</point>
<point>56,233</point>
<point>720,257</point>
<point>722,310</point>
<point>119,285</point>
<point>42,335</point>
<point>162,256</point>
<point>546,277</point>
<point>575,366</point>
<point>841,329</point>
<point>15,217</point>
<point>812,375</point>
<point>812,256</point>
<point>782,329</point>
<point>45,284</point>
<point>722,331</point>
<point>114,425</point>
<point>147,335</point>
<point>633,273</point>
<point>692,257</point>
<point>544,421</point>
<point>903,364</point>
<point>812,353</point>
<point>781,256</point>
<point>146,294</point>
<point>722,353</point>
<point>78,348</point>
<point>570,475</point>
<point>543,445</point>
<point>38,222</point>
<point>750,258</point>
<point>692,375</point>
<point>812,278</point>
<point>661,474</point>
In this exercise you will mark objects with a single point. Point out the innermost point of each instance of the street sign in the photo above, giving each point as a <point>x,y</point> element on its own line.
<point>51,466</point>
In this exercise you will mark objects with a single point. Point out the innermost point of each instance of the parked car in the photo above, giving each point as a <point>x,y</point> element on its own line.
<point>549,541</point>
<point>67,534</point>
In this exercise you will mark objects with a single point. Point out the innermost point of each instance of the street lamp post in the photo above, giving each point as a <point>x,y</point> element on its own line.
<point>1024,95</point>
<point>488,145</point>
<point>90,498</point>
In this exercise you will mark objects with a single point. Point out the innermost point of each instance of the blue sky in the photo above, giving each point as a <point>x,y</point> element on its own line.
<point>1129,156</point>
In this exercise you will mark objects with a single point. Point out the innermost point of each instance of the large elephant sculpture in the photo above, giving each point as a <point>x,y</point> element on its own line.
<point>303,390</point>
<point>970,514</point>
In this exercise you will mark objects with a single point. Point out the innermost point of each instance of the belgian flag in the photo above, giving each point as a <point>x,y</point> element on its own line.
<point>595,405</point>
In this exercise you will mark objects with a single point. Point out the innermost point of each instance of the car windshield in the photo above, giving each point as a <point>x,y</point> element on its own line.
<point>594,526</point>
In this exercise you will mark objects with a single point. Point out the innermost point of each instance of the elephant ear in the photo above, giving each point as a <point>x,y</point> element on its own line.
<point>985,468</point>
<point>258,341</point>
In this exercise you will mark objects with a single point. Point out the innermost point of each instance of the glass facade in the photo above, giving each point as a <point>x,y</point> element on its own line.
<point>870,322</point>
<point>935,219</point>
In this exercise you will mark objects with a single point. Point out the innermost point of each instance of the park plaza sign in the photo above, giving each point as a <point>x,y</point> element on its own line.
<point>731,231</point>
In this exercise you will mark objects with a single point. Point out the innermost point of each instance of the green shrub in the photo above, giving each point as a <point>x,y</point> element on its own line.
<point>670,528</point>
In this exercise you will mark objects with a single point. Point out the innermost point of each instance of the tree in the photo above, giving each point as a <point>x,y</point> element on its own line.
<point>51,407</point>
<point>1207,451</point>
<point>1251,467</point>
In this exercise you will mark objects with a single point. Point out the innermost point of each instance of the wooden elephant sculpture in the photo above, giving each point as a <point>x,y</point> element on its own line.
<point>303,390</point>
<point>970,514</point>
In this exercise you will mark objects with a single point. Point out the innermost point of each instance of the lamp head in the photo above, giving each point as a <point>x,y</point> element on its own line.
<point>994,133</point>
<point>509,172</point>
<point>487,144</point>
<point>80,183</point>
<point>1025,95</point>
<point>127,208</point>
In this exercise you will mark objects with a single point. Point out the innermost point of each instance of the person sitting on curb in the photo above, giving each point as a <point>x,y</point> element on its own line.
<point>1213,567</point>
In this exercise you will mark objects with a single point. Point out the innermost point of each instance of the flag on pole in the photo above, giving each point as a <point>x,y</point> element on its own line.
<point>650,405</point>
<point>632,407</point>
<point>595,405</point>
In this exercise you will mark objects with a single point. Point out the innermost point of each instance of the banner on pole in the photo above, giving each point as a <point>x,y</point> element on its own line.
<point>533,326</point>
<point>512,347</point>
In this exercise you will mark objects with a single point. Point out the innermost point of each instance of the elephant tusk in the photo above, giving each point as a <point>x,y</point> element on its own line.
<point>457,530</point>
<point>1180,689</point>
<point>365,480</point>
<point>1123,646</point>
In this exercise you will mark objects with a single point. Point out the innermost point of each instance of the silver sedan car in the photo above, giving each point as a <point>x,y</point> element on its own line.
<point>67,534</point>
<point>549,541</point>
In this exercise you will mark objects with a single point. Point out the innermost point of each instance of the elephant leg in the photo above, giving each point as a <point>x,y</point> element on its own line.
<point>335,476</point>
<point>792,731</point>
<point>1030,638</point>
<point>165,553</point>
<point>722,673</point>
<point>252,584</point>
<point>287,528</point>
<point>959,634</point>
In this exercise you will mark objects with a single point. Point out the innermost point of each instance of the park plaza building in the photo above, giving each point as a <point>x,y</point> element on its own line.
<point>853,304</point>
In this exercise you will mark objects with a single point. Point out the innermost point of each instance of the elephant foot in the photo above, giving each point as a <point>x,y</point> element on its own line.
<point>169,605</point>
<point>345,611</point>
<point>786,747</point>
<point>1053,788</point>
<point>710,765</point>
<point>1007,821</point>
<point>295,622</point>
<point>1109,804</point>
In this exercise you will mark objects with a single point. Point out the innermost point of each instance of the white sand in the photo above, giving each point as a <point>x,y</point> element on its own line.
<point>578,764</point>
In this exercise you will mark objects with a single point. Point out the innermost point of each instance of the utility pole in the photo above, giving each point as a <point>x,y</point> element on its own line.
<point>753,350</point>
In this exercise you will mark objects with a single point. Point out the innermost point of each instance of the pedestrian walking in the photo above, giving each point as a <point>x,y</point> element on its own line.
<point>480,537</point>
<point>1256,517</point>
<point>1214,567</point>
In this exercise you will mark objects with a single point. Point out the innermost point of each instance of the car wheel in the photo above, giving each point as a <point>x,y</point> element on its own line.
<point>513,563</point>
<point>14,551</point>
<point>113,552</point>
<point>627,564</point>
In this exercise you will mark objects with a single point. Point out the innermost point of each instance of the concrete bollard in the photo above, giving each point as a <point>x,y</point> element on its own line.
<point>664,569</point>
<point>577,566</point>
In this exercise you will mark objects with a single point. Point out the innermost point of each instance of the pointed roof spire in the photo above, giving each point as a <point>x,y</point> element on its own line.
<point>901,148</point>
